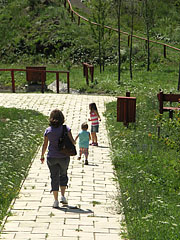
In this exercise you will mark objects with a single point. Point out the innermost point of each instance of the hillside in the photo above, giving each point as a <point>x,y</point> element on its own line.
<point>41,31</point>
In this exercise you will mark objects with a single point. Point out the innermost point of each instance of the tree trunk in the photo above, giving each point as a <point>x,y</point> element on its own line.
<point>131,38</point>
<point>147,33</point>
<point>119,43</point>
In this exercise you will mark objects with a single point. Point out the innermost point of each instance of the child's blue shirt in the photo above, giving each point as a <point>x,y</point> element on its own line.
<point>84,139</point>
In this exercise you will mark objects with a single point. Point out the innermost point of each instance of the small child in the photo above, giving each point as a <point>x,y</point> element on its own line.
<point>94,118</point>
<point>84,138</point>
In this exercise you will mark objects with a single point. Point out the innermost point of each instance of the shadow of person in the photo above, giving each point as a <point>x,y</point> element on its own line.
<point>92,165</point>
<point>99,146</point>
<point>74,209</point>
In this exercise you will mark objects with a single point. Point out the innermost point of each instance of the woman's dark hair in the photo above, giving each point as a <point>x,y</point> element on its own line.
<point>92,106</point>
<point>56,118</point>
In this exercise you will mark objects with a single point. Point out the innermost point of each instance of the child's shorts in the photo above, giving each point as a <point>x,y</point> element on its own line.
<point>95,128</point>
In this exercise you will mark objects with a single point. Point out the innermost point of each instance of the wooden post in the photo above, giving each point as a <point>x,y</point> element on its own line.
<point>86,74</point>
<point>146,44</point>
<point>13,81</point>
<point>72,17</point>
<point>127,94</point>
<point>68,83</point>
<point>57,82</point>
<point>159,130</point>
<point>42,82</point>
<point>79,20</point>
<point>92,73</point>
<point>178,79</point>
<point>84,70</point>
<point>128,40</point>
<point>161,102</point>
<point>164,51</point>
<point>171,114</point>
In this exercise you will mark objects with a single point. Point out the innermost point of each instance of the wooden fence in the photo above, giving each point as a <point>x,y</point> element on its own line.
<point>12,71</point>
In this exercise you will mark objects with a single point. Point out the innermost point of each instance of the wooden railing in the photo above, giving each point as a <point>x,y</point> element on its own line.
<point>42,80</point>
<point>165,46</point>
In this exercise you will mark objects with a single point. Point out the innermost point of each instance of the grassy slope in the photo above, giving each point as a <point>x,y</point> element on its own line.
<point>46,33</point>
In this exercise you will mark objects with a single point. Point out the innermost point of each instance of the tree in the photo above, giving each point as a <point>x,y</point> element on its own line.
<point>117,5</point>
<point>148,14</point>
<point>132,10</point>
<point>99,9</point>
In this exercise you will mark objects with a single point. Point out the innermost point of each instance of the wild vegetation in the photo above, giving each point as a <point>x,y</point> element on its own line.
<point>147,166</point>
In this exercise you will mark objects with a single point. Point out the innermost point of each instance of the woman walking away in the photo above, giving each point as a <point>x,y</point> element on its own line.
<point>57,162</point>
<point>94,118</point>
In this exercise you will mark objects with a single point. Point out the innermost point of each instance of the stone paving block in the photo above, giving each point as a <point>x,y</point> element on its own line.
<point>7,236</point>
<point>99,236</point>
<point>58,232</point>
<point>30,236</point>
<point>62,238</point>
<point>77,233</point>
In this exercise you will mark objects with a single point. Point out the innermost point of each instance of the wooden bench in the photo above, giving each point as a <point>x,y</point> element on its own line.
<point>168,98</point>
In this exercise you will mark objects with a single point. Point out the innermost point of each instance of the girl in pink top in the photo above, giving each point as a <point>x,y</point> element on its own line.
<point>94,118</point>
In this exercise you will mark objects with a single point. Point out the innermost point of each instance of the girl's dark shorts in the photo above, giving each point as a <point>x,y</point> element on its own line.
<point>95,128</point>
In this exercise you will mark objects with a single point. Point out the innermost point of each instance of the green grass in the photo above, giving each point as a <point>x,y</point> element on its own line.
<point>20,136</point>
<point>148,168</point>
<point>163,75</point>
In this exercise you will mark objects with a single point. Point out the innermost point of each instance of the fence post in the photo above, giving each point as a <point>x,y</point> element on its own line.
<point>128,40</point>
<point>57,82</point>
<point>72,17</point>
<point>127,94</point>
<point>159,131</point>
<point>164,51</point>
<point>68,82</point>
<point>79,20</point>
<point>84,70</point>
<point>42,82</point>
<point>86,74</point>
<point>92,73</point>
<point>13,81</point>
<point>179,79</point>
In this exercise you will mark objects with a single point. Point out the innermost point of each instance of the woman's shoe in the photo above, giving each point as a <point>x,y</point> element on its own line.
<point>63,200</point>
<point>56,204</point>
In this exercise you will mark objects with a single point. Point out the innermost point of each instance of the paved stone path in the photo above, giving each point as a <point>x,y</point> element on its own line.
<point>92,212</point>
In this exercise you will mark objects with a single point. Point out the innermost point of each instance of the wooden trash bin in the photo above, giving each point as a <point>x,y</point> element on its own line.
<point>126,110</point>
<point>35,77</point>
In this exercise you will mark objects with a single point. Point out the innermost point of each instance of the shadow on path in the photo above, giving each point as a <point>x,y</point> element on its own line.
<point>74,209</point>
